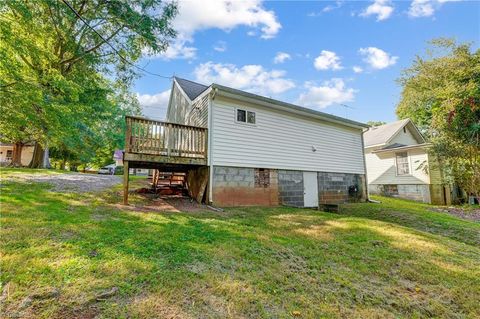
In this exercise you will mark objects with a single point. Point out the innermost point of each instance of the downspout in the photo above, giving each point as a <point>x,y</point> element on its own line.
<point>209,160</point>
<point>365,169</point>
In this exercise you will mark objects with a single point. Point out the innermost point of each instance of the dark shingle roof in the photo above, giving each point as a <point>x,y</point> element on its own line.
<point>192,89</point>
<point>393,146</point>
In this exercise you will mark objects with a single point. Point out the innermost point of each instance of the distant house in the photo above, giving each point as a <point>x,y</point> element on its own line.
<point>398,164</point>
<point>6,154</point>
<point>240,148</point>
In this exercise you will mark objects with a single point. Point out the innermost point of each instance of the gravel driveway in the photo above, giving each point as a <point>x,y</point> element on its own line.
<point>72,182</point>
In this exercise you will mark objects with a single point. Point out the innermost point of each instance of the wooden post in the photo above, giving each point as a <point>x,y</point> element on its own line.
<point>126,174</point>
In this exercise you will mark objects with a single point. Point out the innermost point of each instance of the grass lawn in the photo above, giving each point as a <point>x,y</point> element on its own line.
<point>61,252</point>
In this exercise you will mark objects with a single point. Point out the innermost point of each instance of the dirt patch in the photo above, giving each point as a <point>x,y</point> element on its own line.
<point>72,182</point>
<point>469,214</point>
<point>170,204</point>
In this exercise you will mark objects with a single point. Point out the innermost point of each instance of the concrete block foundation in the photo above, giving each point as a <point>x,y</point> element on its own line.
<point>290,188</point>
<point>234,186</point>
<point>416,192</point>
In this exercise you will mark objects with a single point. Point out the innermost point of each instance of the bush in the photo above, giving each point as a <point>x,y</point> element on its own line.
<point>119,170</point>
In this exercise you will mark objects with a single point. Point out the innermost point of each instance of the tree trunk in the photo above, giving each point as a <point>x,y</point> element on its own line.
<point>46,158</point>
<point>37,157</point>
<point>17,154</point>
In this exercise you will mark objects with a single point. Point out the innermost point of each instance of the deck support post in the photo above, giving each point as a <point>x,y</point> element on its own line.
<point>126,173</point>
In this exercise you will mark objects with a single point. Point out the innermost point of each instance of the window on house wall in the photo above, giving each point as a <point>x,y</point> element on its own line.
<point>244,116</point>
<point>9,155</point>
<point>390,190</point>
<point>402,163</point>
<point>262,178</point>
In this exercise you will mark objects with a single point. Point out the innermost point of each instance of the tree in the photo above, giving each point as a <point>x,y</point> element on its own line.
<point>442,95</point>
<point>54,67</point>
<point>376,123</point>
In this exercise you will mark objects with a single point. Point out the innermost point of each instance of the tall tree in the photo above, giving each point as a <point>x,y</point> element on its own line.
<point>55,57</point>
<point>441,93</point>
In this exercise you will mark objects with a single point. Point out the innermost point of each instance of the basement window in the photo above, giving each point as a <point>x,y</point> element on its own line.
<point>402,163</point>
<point>262,178</point>
<point>244,116</point>
<point>390,190</point>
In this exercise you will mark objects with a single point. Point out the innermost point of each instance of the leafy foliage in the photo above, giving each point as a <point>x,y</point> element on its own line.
<point>376,123</point>
<point>442,95</point>
<point>65,87</point>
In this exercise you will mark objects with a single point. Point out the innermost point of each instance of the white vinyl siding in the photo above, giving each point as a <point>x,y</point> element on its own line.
<point>178,108</point>
<point>282,140</point>
<point>381,168</point>
<point>198,115</point>
<point>405,138</point>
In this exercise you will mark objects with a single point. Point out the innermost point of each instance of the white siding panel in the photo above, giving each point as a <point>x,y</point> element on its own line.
<point>198,116</point>
<point>283,141</point>
<point>405,138</point>
<point>179,107</point>
<point>381,168</point>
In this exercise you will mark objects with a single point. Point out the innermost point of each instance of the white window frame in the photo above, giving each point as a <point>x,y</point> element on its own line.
<point>246,116</point>
<point>408,164</point>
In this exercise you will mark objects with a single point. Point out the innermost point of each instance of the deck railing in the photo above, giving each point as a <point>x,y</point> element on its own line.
<point>145,136</point>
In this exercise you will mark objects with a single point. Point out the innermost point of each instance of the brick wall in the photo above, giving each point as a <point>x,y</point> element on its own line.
<point>235,186</point>
<point>333,187</point>
<point>290,188</point>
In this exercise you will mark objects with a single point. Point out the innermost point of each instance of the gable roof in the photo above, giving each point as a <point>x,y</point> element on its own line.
<point>191,89</point>
<point>194,90</point>
<point>381,135</point>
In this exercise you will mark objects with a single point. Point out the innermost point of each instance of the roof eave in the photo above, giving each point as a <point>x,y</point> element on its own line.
<point>407,147</point>
<point>284,106</point>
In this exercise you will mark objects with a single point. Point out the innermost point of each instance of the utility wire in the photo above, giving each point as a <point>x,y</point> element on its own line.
<point>110,45</point>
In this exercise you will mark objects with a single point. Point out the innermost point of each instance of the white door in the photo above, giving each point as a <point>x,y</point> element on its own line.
<point>310,189</point>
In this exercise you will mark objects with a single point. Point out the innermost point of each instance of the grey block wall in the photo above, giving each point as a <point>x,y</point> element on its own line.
<point>333,187</point>
<point>416,192</point>
<point>233,177</point>
<point>290,188</point>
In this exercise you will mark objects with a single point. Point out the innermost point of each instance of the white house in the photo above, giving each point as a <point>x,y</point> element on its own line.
<point>398,164</point>
<point>262,151</point>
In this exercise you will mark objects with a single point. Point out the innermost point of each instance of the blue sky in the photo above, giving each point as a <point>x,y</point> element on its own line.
<point>317,54</point>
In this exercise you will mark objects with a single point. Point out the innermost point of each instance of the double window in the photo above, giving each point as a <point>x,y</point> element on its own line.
<point>402,163</point>
<point>244,116</point>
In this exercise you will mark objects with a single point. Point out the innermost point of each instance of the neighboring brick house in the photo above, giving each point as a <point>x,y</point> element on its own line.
<point>258,151</point>
<point>398,164</point>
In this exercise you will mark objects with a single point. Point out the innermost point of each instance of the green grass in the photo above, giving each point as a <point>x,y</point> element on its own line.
<point>7,172</point>
<point>395,259</point>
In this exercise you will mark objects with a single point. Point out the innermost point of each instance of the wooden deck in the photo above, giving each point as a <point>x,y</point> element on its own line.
<point>162,142</point>
<point>156,144</point>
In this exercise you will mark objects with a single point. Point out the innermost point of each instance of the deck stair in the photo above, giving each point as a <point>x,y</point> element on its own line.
<point>177,152</point>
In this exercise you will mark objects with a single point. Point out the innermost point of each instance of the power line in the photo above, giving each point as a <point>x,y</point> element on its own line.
<point>110,45</point>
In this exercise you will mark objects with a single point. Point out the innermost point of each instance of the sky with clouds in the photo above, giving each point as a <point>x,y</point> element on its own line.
<point>339,57</point>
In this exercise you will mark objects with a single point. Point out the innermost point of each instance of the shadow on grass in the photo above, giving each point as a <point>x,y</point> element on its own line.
<point>417,216</point>
<point>251,262</point>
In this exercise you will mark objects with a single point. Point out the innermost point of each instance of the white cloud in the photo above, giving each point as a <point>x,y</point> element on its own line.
<point>357,69</point>
<point>327,60</point>
<point>425,8</point>
<point>377,58</point>
<point>252,78</point>
<point>194,16</point>
<point>329,8</point>
<point>220,46</point>
<point>154,106</point>
<point>330,92</point>
<point>281,57</point>
<point>381,8</point>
